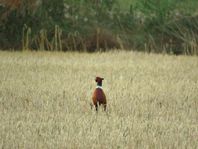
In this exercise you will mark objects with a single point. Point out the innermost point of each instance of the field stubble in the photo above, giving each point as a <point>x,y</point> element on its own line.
<point>44,100</point>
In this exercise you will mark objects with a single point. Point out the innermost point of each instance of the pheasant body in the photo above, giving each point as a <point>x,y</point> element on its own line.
<point>99,97</point>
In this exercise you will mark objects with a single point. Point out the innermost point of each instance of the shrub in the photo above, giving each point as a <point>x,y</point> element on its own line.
<point>153,25</point>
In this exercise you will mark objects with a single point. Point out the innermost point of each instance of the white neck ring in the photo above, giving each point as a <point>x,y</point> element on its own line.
<point>99,86</point>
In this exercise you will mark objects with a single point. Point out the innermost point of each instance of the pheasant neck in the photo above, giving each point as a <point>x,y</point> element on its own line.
<point>99,85</point>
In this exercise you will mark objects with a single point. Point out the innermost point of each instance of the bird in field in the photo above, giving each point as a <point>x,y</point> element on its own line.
<point>99,97</point>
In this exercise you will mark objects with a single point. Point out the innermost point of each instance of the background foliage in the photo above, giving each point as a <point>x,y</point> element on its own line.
<point>147,25</point>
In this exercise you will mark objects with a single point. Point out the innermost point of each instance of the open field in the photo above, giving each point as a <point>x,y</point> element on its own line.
<point>44,100</point>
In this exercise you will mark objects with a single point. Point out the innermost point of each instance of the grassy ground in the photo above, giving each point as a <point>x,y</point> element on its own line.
<point>44,100</point>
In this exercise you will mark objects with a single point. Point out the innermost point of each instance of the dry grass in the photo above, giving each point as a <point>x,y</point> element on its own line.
<point>44,100</point>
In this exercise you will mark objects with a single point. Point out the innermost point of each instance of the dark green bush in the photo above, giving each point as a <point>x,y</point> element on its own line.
<point>145,25</point>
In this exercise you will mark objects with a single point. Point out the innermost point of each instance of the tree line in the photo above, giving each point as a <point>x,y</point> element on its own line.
<point>91,25</point>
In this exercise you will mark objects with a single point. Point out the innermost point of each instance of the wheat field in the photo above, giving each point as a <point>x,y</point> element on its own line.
<point>45,100</point>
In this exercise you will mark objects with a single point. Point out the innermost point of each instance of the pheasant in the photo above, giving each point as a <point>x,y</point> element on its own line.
<point>99,97</point>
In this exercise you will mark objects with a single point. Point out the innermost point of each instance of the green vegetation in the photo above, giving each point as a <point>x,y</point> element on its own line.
<point>168,26</point>
<point>45,100</point>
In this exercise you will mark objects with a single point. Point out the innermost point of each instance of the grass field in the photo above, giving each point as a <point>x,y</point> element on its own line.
<point>45,97</point>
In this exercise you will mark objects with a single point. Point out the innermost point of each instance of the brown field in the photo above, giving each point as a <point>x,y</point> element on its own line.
<point>44,100</point>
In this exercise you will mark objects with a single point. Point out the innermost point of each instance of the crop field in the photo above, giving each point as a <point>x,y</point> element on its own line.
<point>45,100</point>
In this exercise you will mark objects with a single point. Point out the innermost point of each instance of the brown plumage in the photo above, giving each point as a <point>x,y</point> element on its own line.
<point>99,97</point>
